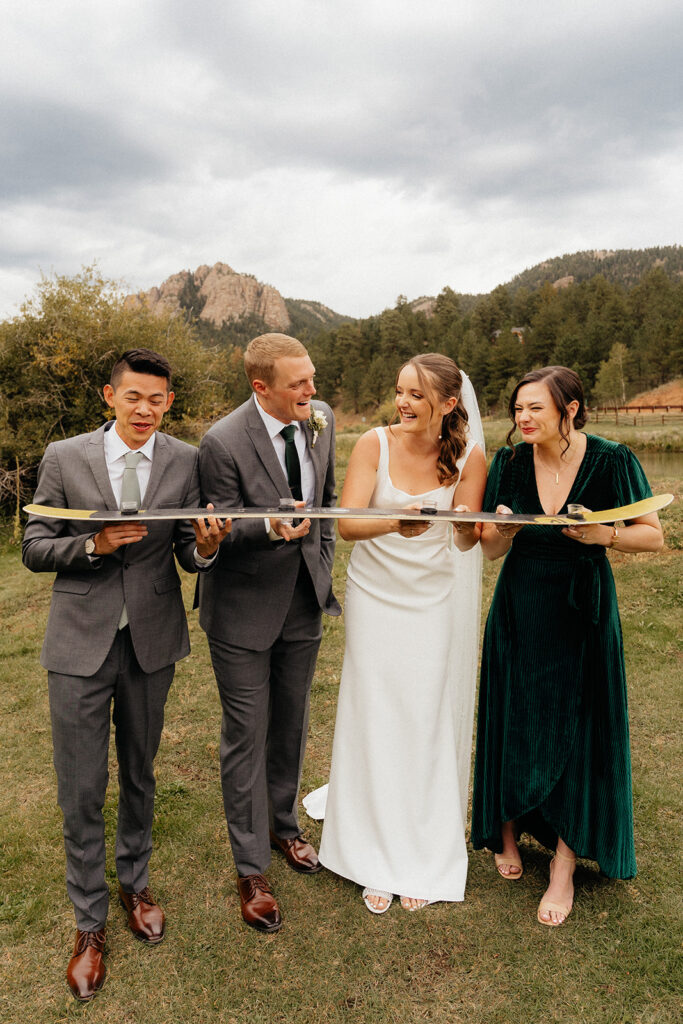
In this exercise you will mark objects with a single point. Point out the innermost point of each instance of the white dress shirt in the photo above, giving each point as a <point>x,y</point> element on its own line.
<point>115,451</point>
<point>274,426</point>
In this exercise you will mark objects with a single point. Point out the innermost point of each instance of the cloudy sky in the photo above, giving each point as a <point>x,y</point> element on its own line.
<point>342,150</point>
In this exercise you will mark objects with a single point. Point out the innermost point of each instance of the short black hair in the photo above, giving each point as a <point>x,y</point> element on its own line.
<point>141,360</point>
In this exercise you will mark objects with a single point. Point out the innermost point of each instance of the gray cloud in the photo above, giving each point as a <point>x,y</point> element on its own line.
<point>525,119</point>
<point>406,144</point>
<point>51,149</point>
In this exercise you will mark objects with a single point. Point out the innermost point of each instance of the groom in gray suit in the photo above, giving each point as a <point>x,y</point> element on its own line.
<point>261,606</point>
<point>115,629</point>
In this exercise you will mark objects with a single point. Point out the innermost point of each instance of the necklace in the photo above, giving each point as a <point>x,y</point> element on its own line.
<point>553,472</point>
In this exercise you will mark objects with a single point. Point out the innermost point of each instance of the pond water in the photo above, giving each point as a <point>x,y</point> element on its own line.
<point>662,465</point>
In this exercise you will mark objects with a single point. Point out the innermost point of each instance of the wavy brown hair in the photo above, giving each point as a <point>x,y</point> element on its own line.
<point>439,377</point>
<point>564,386</point>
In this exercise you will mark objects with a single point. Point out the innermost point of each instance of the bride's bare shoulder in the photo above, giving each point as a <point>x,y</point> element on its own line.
<point>368,442</point>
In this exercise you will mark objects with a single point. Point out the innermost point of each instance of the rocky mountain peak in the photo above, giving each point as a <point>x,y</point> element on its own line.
<point>217,294</point>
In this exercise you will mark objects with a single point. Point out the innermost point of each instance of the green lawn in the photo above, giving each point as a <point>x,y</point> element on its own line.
<point>648,434</point>
<point>485,960</point>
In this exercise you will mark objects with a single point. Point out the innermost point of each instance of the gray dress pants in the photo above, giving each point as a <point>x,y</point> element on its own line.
<point>80,709</point>
<point>265,701</point>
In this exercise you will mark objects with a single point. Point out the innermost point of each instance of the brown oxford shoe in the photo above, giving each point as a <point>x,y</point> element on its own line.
<point>146,919</point>
<point>86,970</point>
<point>259,907</point>
<point>300,855</point>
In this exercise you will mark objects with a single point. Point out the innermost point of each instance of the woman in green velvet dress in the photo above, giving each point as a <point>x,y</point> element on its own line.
<point>552,754</point>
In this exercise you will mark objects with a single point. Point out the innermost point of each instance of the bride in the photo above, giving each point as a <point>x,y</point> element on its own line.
<point>397,799</point>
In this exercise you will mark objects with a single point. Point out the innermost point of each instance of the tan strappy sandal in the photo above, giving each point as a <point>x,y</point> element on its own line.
<point>552,905</point>
<point>511,862</point>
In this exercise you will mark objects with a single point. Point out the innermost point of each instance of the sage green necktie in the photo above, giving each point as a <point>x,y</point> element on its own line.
<point>130,485</point>
<point>292,462</point>
<point>130,498</point>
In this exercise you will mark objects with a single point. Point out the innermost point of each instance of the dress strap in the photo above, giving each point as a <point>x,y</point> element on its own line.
<point>383,463</point>
<point>469,448</point>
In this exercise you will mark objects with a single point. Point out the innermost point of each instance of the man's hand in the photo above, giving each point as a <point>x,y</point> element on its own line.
<point>111,538</point>
<point>210,532</point>
<point>285,528</point>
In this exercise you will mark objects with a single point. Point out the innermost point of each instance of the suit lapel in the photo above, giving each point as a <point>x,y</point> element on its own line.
<point>319,453</point>
<point>316,457</point>
<point>264,449</point>
<point>94,450</point>
<point>160,459</point>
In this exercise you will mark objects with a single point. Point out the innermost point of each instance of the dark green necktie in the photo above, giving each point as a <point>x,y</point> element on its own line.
<point>292,462</point>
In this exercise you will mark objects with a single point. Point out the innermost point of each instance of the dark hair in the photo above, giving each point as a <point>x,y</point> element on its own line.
<point>141,360</point>
<point>564,386</point>
<point>439,374</point>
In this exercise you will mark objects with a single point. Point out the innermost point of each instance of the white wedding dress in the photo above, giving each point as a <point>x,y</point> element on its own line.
<point>397,799</point>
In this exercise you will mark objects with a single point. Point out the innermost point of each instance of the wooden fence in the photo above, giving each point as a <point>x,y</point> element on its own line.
<point>638,414</point>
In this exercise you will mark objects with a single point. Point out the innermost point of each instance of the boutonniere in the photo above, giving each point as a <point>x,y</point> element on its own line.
<point>317,421</point>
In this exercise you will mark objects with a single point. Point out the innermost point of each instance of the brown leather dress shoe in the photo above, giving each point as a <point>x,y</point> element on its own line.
<point>300,855</point>
<point>259,907</point>
<point>146,919</point>
<point>86,970</point>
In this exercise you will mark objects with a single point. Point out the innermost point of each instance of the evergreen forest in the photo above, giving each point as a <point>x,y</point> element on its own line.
<point>620,328</point>
<point>620,340</point>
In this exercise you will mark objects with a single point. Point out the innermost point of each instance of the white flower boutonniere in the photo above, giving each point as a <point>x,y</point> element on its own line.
<point>317,421</point>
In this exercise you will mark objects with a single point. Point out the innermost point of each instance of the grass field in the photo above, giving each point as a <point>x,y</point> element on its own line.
<point>643,433</point>
<point>649,434</point>
<point>486,960</point>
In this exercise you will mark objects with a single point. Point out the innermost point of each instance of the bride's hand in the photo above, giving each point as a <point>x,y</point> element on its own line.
<point>411,527</point>
<point>464,528</point>
<point>465,535</point>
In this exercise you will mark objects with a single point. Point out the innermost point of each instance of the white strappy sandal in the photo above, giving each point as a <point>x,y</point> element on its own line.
<point>381,894</point>
<point>423,903</point>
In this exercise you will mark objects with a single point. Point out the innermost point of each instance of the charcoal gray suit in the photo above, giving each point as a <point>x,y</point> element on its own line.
<point>261,609</point>
<point>92,663</point>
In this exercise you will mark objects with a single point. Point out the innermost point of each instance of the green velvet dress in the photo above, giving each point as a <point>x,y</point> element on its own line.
<point>552,737</point>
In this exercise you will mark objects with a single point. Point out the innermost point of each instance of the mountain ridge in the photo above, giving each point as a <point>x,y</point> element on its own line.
<point>231,307</point>
<point>624,267</point>
<point>619,266</point>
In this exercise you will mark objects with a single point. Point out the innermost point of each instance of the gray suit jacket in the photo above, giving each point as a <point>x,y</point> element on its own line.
<point>245,599</point>
<point>88,595</point>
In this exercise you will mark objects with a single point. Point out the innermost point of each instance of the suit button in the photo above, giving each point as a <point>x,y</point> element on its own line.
<point>126,565</point>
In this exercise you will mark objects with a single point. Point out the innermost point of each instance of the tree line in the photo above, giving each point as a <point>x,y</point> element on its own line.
<point>58,351</point>
<point>505,334</point>
<point>625,267</point>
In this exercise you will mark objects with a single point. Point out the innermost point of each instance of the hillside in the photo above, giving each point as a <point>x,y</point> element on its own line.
<point>307,315</point>
<point>623,267</point>
<point>666,394</point>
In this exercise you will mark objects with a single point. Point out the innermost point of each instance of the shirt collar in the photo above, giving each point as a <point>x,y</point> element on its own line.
<point>273,425</point>
<point>116,448</point>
